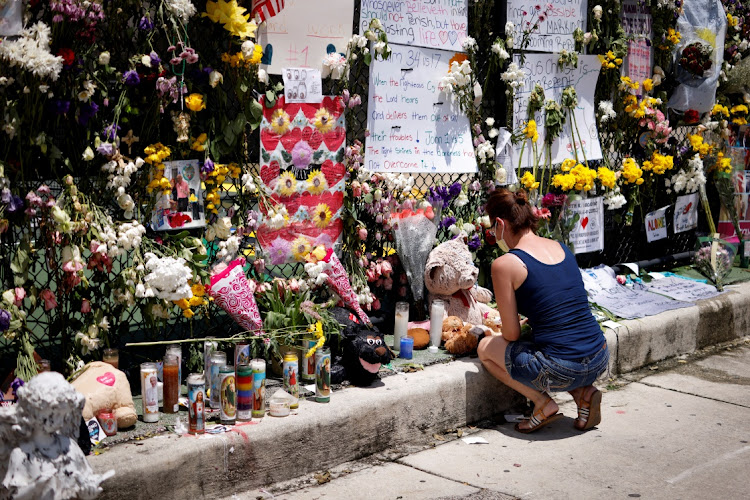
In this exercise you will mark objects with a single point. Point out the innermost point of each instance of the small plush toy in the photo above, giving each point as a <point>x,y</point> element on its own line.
<point>459,337</point>
<point>106,387</point>
<point>421,337</point>
<point>450,275</point>
<point>363,350</point>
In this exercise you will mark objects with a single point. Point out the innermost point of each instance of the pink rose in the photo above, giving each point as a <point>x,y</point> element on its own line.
<point>20,294</point>
<point>85,306</point>
<point>375,305</point>
<point>260,266</point>
<point>362,233</point>
<point>48,296</point>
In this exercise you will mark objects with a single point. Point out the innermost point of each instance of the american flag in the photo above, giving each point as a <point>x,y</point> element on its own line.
<point>266,9</point>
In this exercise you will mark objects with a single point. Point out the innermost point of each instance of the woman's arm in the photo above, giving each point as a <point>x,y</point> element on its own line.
<point>507,270</point>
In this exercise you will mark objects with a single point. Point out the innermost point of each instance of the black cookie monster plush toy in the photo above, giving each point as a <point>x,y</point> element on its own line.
<point>362,351</point>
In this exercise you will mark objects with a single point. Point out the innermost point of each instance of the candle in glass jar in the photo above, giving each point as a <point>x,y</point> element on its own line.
<point>401,324</point>
<point>111,356</point>
<point>218,359</point>
<point>244,381</point>
<point>437,311</point>
<point>171,371</point>
<point>176,350</point>
<point>149,392</point>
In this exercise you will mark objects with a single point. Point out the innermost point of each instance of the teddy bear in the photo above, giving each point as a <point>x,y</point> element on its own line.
<point>450,275</point>
<point>459,337</point>
<point>106,387</point>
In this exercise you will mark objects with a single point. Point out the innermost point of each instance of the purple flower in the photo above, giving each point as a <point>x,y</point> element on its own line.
<point>4,320</point>
<point>208,166</point>
<point>131,78</point>
<point>14,204</point>
<point>554,200</point>
<point>279,251</point>
<point>106,149</point>
<point>455,189</point>
<point>474,242</point>
<point>59,106</point>
<point>302,155</point>
<point>145,24</point>
<point>15,385</point>
<point>87,112</point>
<point>155,59</point>
<point>447,222</point>
<point>110,132</point>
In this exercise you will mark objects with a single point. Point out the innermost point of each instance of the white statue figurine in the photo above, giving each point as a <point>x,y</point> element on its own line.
<point>39,454</point>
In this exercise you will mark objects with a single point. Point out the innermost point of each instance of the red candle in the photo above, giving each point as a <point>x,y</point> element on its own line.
<point>171,383</point>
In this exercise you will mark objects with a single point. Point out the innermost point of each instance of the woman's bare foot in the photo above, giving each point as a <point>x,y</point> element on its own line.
<point>547,407</point>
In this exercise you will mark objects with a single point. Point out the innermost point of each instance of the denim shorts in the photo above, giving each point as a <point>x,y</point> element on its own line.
<point>526,364</point>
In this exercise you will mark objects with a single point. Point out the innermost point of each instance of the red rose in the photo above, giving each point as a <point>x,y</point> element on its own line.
<point>692,116</point>
<point>68,56</point>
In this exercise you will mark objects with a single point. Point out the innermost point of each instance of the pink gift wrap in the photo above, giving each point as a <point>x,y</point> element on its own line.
<point>233,293</point>
<point>338,280</point>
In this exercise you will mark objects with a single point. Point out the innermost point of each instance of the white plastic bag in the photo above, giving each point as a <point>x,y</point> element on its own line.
<point>11,17</point>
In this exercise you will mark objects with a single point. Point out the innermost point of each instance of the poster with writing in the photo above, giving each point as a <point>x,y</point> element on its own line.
<point>415,127</point>
<point>182,207</point>
<point>686,213</point>
<point>304,32</point>
<point>435,24</point>
<point>555,32</point>
<point>682,289</point>
<point>741,176</point>
<point>588,233</point>
<point>637,22</point>
<point>302,85</point>
<point>656,225</point>
<point>301,155</point>
<point>542,69</point>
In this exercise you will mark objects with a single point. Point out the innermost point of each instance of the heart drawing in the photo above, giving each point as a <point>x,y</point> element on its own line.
<point>453,37</point>
<point>584,222</point>
<point>107,379</point>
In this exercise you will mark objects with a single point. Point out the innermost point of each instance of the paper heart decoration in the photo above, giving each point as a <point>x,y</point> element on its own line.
<point>687,208</point>
<point>334,105</point>
<point>269,173</point>
<point>313,137</point>
<point>269,138</point>
<point>335,138</point>
<point>290,139</point>
<point>107,379</point>
<point>333,172</point>
<point>584,222</point>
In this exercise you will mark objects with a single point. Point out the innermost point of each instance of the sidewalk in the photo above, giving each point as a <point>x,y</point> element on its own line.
<point>401,411</point>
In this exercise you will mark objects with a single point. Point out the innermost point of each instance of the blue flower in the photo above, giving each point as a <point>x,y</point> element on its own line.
<point>455,189</point>
<point>87,112</point>
<point>131,78</point>
<point>447,222</point>
<point>145,24</point>
<point>13,204</point>
<point>474,242</point>
<point>155,59</point>
<point>208,166</point>
<point>110,132</point>
<point>4,320</point>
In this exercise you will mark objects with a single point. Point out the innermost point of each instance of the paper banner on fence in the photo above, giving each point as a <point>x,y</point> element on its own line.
<point>656,225</point>
<point>413,126</point>
<point>542,69</point>
<point>302,85</point>
<point>604,290</point>
<point>182,207</point>
<point>682,289</point>
<point>555,32</point>
<point>741,178</point>
<point>304,32</point>
<point>637,23</point>
<point>301,154</point>
<point>686,213</point>
<point>588,233</point>
<point>437,24</point>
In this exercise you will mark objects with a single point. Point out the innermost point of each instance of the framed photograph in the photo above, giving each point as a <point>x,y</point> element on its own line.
<point>182,207</point>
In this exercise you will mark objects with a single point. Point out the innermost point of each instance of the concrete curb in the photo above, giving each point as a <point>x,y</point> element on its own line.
<point>398,410</point>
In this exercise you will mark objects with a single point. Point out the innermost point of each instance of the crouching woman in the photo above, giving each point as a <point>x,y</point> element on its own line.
<point>540,279</point>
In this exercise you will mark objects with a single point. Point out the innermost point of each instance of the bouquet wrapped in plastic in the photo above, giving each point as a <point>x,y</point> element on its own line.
<point>233,292</point>
<point>338,281</point>
<point>714,259</point>
<point>414,233</point>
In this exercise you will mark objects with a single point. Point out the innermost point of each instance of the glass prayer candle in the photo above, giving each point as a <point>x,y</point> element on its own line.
<point>149,392</point>
<point>171,371</point>
<point>218,359</point>
<point>111,356</point>
<point>437,312</point>
<point>400,326</point>
<point>176,350</point>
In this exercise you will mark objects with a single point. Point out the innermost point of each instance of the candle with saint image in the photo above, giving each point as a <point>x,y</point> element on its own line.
<point>437,311</point>
<point>401,324</point>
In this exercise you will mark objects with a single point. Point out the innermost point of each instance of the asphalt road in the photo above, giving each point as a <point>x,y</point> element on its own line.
<point>678,430</point>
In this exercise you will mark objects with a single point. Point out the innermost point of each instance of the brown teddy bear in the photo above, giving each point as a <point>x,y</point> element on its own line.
<point>450,275</point>
<point>421,337</point>
<point>459,337</point>
<point>106,387</point>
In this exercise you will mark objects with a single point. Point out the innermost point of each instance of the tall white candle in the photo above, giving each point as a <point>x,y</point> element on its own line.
<point>401,325</point>
<point>437,311</point>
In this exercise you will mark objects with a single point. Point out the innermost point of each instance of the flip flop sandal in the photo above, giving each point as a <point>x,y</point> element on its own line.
<point>590,412</point>
<point>538,420</point>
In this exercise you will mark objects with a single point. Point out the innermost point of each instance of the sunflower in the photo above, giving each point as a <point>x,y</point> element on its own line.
<point>280,122</point>
<point>300,248</point>
<point>287,184</point>
<point>316,182</point>
<point>322,216</point>
<point>323,120</point>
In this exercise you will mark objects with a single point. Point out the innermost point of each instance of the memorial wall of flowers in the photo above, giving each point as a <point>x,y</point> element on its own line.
<point>132,169</point>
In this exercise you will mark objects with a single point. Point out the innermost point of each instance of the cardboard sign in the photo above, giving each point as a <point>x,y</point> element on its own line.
<point>415,127</point>
<point>555,33</point>
<point>304,32</point>
<point>302,85</point>
<point>181,208</point>
<point>588,234</point>
<point>686,213</point>
<point>542,69</point>
<point>437,24</point>
<point>656,225</point>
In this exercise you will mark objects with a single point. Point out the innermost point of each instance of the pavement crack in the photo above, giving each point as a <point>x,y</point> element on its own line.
<point>400,462</point>
<point>690,394</point>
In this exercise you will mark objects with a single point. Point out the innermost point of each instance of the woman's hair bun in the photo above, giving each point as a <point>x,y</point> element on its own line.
<point>521,197</point>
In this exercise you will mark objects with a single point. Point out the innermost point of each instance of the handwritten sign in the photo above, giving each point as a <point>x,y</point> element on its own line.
<point>414,127</point>
<point>682,289</point>
<point>302,85</point>
<point>555,33</point>
<point>636,18</point>
<point>182,207</point>
<point>304,32</point>
<point>588,233</point>
<point>542,69</point>
<point>686,213</point>
<point>437,24</point>
<point>656,225</point>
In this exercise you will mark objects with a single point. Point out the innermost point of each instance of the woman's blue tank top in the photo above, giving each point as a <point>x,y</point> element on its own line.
<point>555,301</point>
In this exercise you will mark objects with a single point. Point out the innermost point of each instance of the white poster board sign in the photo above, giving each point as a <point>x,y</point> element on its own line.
<point>302,85</point>
<point>686,213</point>
<point>435,24</point>
<point>542,69</point>
<point>182,207</point>
<point>414,127</point>
<point>656,225</point>
<point>588,233</point>
<point>637,23</point>
<point>555,32</point>
<point>304,32</point>
<point>682,289</point>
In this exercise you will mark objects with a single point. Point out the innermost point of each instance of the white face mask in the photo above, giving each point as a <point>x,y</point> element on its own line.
<point>501,241</point>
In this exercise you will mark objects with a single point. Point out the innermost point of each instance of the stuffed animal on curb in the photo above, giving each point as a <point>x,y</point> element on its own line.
<point>450,275</point>
<point>106,387</point>
<point>459,337</point>
<point>363,350</point>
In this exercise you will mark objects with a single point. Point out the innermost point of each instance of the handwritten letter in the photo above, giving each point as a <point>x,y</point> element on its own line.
<point>555,33</point>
